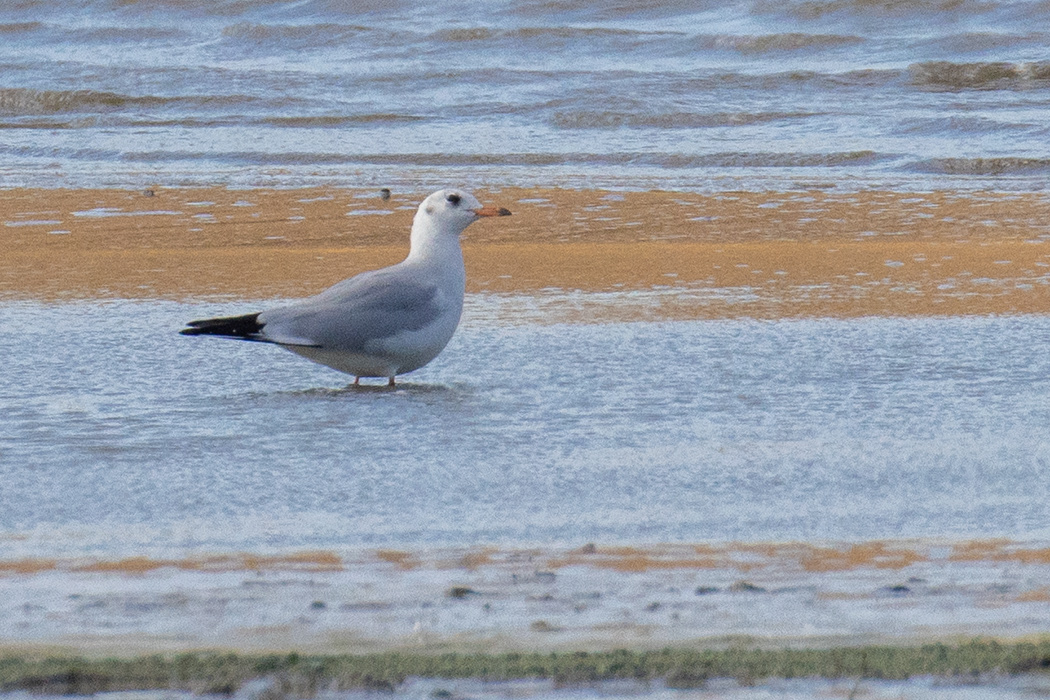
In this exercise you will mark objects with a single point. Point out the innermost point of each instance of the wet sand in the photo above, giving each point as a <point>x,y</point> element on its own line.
<point>767,255</point>
<point>763,255</point>
<point>493,599</point>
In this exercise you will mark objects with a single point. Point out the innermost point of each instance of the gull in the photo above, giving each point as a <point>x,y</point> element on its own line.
<point>380,323</point>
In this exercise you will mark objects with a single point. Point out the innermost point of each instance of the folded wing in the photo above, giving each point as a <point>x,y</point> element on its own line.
<point>355,315</point>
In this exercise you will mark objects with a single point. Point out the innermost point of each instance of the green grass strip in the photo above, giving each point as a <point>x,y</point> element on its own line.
<point>305,675</point>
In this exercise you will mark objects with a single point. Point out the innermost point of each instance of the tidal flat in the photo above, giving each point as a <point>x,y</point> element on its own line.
<point>685,256</point>
<point>798,423</point>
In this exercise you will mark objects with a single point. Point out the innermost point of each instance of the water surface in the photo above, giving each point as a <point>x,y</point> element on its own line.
<point>117,435</point>
<point>752,94</point>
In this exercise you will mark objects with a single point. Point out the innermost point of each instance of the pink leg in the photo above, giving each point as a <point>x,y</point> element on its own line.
<point>357,381</point>
<point>391,382</point>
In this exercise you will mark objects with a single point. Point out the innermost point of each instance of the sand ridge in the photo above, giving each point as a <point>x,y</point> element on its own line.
<point>740,557</point>
<point>589,597</point>
<point>765,255</point>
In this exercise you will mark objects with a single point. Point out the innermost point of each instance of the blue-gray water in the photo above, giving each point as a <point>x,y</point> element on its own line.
<point>117,435</point>
<point>910,94</point>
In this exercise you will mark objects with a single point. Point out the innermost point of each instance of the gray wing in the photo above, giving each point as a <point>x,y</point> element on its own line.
<point>355,312</point>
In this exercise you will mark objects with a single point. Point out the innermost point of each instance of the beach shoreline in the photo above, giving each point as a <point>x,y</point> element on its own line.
<point>529,599</point>
<point>740,254</point>
<point>761,255</point>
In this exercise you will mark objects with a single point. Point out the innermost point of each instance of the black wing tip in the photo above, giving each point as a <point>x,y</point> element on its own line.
<point>246,327</point>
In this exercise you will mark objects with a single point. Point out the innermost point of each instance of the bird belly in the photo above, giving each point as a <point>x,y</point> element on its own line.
<point>355,363</point>
<point>386,357</point>
<point>413,349</point>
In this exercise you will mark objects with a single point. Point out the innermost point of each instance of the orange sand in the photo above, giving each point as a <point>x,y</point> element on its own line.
<point>735,556</point>
<point>766,255</point>
<point>297,561</point>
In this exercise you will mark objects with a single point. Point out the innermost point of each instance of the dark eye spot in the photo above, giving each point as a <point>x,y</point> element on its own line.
<point>452,199</point>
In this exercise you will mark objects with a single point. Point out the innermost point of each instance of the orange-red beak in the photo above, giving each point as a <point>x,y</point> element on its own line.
<point>492,211</point>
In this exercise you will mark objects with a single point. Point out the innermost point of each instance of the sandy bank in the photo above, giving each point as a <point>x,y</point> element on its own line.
<point>768,255</point>
<point>495,599</point>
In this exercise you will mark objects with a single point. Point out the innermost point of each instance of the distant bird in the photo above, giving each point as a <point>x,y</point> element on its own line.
<point>384,322</point>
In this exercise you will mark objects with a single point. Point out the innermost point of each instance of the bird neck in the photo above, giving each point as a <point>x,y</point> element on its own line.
<point>431,246</point>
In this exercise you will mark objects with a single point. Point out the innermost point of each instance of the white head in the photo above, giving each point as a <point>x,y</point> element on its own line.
<point>445,214</point>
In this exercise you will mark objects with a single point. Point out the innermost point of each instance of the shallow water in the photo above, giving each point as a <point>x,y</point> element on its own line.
<point>119,436</point>
<point>925,688</point>
<point>752,94</point>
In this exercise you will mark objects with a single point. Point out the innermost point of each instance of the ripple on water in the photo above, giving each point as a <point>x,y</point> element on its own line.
<point>670,431</point>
